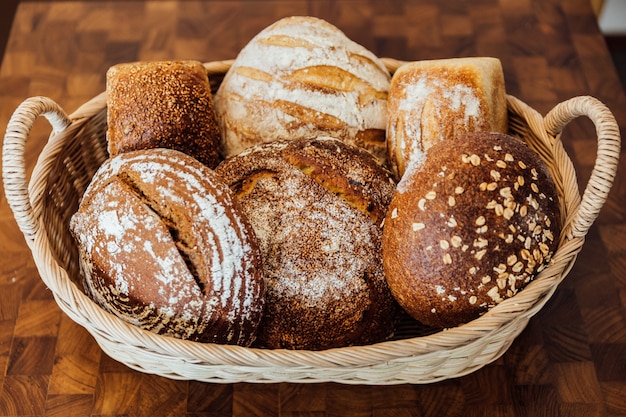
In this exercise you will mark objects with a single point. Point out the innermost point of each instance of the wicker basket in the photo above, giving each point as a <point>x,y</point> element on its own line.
<point>77,147</point>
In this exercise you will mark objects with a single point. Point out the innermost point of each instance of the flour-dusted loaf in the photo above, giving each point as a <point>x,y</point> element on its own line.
<point>162,104</point>
<point>433,100</point>
<point>469,228</point>
<point>164,245</point>
<point>316,206</point>
<point>302,77</point>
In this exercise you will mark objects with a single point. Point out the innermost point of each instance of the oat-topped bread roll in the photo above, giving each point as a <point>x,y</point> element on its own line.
<point>302,77</point>
<point>433,100</point>
<point>164,245</point>
<point>163,104</point>
<point>470,228</point>
<point>316,207</point>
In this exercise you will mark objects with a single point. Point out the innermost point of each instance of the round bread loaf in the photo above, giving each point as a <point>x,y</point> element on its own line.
<point>164,245</point>
<point>302,77</point>
<point>162,104</point>
<point>316,207</point>
<point>433,100</point>
<point>470,228</point>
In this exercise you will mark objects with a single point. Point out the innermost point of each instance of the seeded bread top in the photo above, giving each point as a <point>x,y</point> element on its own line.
<point>470,228</point>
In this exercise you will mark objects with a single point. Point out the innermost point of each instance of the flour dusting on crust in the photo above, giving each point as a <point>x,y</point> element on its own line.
<point>316,206</point>
<point>301,77</point>
<point>165,246</point>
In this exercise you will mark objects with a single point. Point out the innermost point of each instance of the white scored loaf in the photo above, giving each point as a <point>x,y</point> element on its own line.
<point>433,100</point>
<point>303,77</point>
<point>164,246</point>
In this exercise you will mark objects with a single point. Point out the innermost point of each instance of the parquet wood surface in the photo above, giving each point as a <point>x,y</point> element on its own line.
<point>570,360</point>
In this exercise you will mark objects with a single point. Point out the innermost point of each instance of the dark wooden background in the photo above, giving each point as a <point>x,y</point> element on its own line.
<point>570,360</point>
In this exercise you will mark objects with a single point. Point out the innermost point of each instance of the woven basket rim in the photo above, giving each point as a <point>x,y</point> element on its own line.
<point>69,297</point>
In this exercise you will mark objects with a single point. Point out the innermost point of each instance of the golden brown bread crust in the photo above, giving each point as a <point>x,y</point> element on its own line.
<point>302,77</point>
<point>166,104</point>
<point>164,246</point>
<point>470,228</point>
<point>433,100</point>
<point>316,206</point>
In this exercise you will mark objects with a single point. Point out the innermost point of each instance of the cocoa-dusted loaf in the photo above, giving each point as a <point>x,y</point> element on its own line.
<point>303,77</point>
<point>433,100</point>
<point>164,245</point>
<point>469,228</point>
<point>162,104</point>
<point>316,206</point>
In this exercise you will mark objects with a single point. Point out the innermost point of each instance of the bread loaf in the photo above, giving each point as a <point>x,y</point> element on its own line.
<point>433,100</point>
<point>316,207</point>
<point>164,246</point>
<point>302,77</point>
<point>164,104</point>
<point>470,228</point>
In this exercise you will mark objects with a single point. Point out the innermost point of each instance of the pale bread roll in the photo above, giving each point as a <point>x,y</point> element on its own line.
<point>302,77</point>
<point>432,100</point>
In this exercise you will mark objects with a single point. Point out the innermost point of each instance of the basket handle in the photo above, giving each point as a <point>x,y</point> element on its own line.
<point>13,160</point>
<point>604,171</point>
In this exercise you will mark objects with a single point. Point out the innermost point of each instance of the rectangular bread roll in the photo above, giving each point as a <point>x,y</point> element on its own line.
<point>162,104</point>
<point>432,100</point>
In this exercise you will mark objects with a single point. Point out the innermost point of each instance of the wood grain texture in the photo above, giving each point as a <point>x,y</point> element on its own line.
<point>569,361</point>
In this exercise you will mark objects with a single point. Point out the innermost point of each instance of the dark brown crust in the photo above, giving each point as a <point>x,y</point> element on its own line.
<point>162,104</point>
<point>470,228</point>
<point>316,207</point>
<point>164,245</point>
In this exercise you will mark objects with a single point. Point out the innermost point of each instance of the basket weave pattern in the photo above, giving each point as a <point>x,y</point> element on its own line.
<point>77,147</point>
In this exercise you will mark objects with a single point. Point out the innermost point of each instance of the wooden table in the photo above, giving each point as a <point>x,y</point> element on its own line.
<point>570,360</point>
